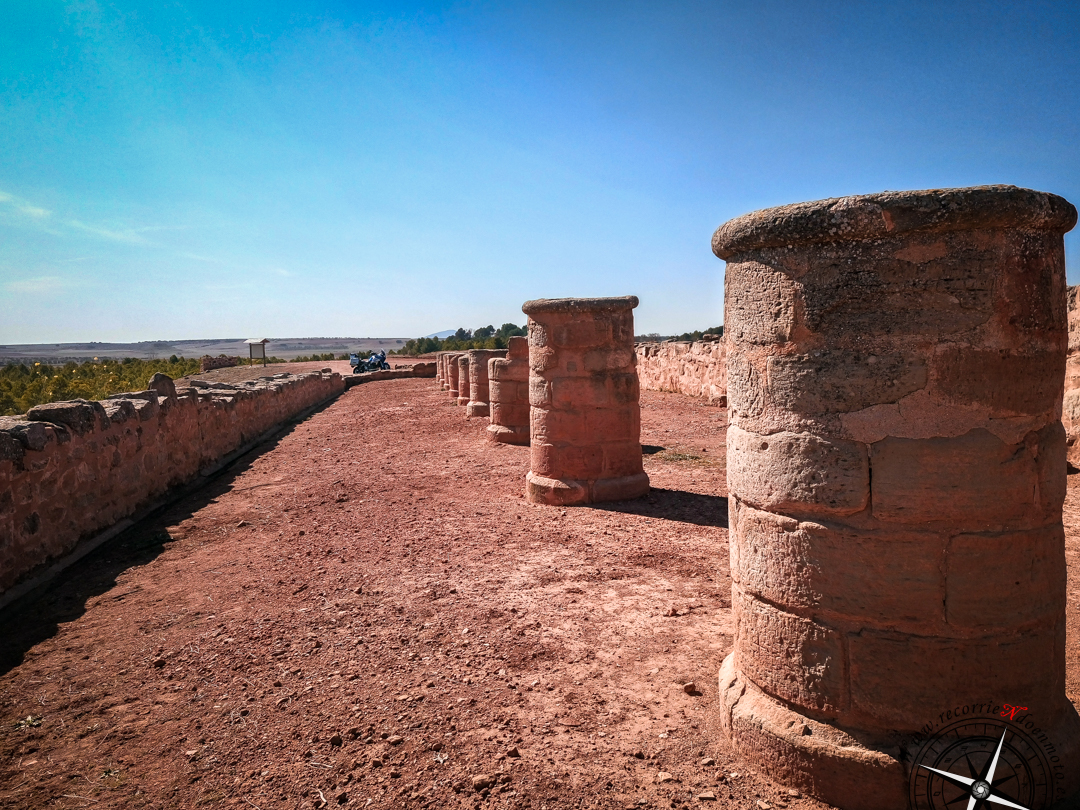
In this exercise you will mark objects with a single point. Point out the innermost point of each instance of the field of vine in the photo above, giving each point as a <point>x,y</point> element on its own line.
<point>24,386</point>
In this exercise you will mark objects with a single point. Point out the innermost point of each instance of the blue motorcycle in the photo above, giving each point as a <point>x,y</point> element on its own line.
<point>376,362</point>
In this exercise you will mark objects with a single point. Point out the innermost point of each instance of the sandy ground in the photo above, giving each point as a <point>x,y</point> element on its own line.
<point>368,614</point>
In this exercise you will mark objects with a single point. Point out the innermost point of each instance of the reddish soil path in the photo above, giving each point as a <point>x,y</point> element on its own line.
<point>368,614</point>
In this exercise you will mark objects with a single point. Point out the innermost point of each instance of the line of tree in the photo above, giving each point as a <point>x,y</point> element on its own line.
<point>486,337</point>
<point>656,337</point>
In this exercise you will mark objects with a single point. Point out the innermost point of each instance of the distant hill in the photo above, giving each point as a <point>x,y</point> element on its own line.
<point>286,348</point>
<point>443,334</point>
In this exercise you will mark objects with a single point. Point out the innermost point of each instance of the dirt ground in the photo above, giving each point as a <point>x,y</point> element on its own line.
<point>368,614</point>
<point>240,373</point>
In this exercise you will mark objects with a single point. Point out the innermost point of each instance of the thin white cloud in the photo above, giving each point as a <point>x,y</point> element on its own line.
<point>23,207</point>
<point>33,211</point>
<point>199,258</point>
<point>128,237</point>
<point>42,218</point>
<point>42,285</point>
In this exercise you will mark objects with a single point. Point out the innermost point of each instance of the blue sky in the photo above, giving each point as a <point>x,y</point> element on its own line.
<point>194,169</point>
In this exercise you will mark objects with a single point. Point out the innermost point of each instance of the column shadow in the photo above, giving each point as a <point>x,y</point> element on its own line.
<point>674,504</point>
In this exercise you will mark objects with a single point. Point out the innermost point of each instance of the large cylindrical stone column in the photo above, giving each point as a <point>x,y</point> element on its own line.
<point>508,392</point>
<point>896,473</point>
<point>452,375</point>
<point>583,391</point>
<point>478,381</point>
<point>463,378</point>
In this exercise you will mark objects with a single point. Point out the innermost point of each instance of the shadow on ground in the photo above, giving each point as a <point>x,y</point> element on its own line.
<point>673,504</point>
<point>37,616</point>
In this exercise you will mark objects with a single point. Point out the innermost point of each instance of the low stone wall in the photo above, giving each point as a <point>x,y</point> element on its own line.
<point>208,363</point>
<point>68,470</point>
<point>696,369</point>
<point>397,373</point>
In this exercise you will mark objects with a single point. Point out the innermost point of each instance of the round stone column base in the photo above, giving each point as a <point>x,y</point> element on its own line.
<point>855,772</point>
<point>819,759</point>
<point>477,409</point>
<point>558,492</point>
<point>508,435</point>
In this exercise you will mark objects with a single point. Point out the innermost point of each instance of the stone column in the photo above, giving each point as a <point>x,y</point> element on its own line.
<point>462,361</point>
<point>896,473</point>
<point>452,374</point>
<point>446,371</point>
<point>583,389</point>
<point>478,380</point>
<point>508,389</point>
<point>440,370</point>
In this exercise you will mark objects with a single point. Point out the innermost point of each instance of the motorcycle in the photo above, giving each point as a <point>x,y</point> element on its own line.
<point>376,362</point>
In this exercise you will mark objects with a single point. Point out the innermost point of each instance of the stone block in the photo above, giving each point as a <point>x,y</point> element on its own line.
<point>579,462</point>
<point>163,385</point>
<point>583,333</point>
<point>973,481</point>
<point>79,416</point>
<point>1006,579</point>
<point>899,681</point>
<point>619,489</point>
<point>1009,383</point>
<point>881,578</point>
<point>798,472</point>
<point>836,381</point>
<point>790,657</point>
<point>759,304</point>
<point>746,388</point>
<point>622,459</point>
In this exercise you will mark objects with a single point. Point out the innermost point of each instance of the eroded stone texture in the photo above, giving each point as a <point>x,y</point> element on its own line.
<point>896,468</point>
<point>585,421</point>
<point>696,369</point>
<point>479,393</point>
<point>508,389</point>
<point>453,374</point>
<point>462,362</point>
<point>1070,406</point>
<point>440,371</point>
